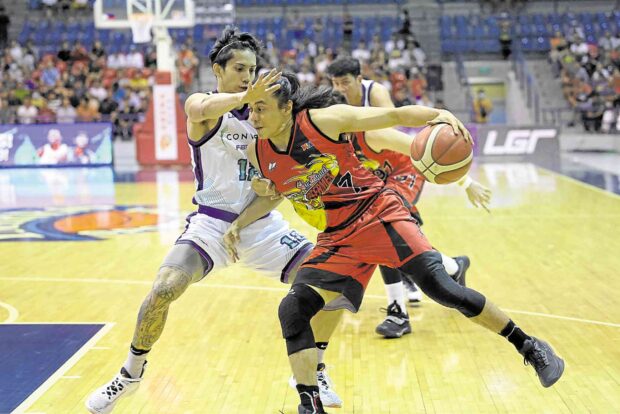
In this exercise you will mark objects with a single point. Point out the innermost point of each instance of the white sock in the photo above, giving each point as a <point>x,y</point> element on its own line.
<point>134,364</point>
<point>450,264</point>
<point>321,353</point>
<point>396,292</point>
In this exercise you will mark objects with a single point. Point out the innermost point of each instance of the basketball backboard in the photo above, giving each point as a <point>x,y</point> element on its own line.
<point>115,14</point>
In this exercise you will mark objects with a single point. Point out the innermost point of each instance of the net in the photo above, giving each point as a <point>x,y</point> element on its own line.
<point>141,25</point>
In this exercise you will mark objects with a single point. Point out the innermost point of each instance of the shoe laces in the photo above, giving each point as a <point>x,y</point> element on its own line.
<point>393,309</point>
<point>114,388</point>
<point>323,379</point>
<point>536,356</point>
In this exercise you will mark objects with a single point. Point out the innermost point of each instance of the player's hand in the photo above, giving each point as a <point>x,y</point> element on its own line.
<point>231,240</point>
<point>479,195</point>
<point>265,188</point>
<point>262,87</point>
<point>446,117</point>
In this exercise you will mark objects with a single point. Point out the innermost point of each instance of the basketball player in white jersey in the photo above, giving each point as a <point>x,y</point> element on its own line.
<point>219,134</point>
<point>345,74</point>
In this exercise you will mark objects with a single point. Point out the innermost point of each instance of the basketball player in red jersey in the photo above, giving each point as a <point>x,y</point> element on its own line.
<point>301,151</point>
<point>394,169</point>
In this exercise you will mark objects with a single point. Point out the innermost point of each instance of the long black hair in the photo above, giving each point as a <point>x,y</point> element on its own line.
<point>303,97</point>
<point>229,41</point>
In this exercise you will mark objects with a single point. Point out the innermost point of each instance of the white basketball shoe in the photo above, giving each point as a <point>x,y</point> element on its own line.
<point>103,400</point>
<point>328,396</point>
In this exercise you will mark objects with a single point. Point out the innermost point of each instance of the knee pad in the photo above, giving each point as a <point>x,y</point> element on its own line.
<point>295,312</point>
<point>428,273</point>
<point>390,276</point>
<point>186,259</point>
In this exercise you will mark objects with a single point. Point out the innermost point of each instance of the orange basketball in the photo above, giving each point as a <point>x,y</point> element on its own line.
<point>441,156</point>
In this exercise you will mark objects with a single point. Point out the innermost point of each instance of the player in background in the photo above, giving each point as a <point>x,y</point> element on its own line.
<point>218,134</point>
<point>301,151</point>
<point>395,169</point>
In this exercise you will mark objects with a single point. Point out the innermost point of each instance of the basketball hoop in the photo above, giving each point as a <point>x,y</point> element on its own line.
<point>141,25</point>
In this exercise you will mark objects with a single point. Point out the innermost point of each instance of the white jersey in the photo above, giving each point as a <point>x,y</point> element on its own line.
<point>221,167</point>
<point>366,87</point>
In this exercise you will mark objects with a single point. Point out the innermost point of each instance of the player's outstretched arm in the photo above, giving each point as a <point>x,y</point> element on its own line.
<point>337,119</point>
<point>200,107</point>
<point>389,139</point>
<point>478,194</point>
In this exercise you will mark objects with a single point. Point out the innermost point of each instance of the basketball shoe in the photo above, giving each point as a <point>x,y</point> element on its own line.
<point>460,275</point>
<point>549,367</point>
<point>328,396</point>
<point>396,324</point>
<point>103,400</point>
<point>414,295</point>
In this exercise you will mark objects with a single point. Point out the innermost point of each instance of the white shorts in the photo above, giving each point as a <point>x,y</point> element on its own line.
<point>267,245</point>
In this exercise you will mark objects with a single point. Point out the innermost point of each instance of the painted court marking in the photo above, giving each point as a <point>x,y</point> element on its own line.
<point>278,290</point>
<point>13,313</point>
<point>32,398</point>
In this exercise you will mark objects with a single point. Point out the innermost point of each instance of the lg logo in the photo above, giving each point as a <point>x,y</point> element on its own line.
<point>518,141</point>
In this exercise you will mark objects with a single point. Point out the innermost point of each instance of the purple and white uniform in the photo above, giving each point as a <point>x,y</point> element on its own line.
<point>223,177</point>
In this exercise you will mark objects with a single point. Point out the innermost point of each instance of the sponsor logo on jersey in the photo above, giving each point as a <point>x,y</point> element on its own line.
<point>306,146</point>
<point>272,166</point>
<point>230,136</point>
<point>76,223</point>
<point>314,181</point>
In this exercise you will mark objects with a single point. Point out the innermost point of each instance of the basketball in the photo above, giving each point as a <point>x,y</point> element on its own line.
<point>441,156</point>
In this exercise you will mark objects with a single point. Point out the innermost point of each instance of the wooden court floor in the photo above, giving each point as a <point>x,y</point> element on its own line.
<point>548,254</point>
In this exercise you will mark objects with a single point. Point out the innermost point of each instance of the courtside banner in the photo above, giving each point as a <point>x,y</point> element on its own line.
<point>519,141</point>
<point>80,144</point>
<point>165,119</point>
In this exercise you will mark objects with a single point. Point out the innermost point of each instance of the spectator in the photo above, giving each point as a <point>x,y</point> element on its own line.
<point>66,114</point>
<point>361,52</point>
<point>347,31</point>
<point>7,113</point>
<point>97,51</point>
<point>108,107</point>
<point>16,52</point>
<point>53,101</point>
<point>27,113</point>
<point>401,98</point>
<point>135,59</point>
<point>50,74</point>
<point>5,22</point>
<point>50,7</point>
<point>579,48</point>
<point>150,58</point>
<point>64,53</point>
<point>97,91</point>
<point>505,38</point>
<point>295,26</point>
<point>45,115</point>
<point>405,30</point>
<point>79,53</point>
<point>417,84</point>
<point>482,107</point>
<point>88,110</point>
<point>305,75</point>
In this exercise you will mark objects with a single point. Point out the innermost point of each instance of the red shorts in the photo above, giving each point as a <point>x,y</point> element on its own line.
<point>344,260</point>
<point>410,189</point>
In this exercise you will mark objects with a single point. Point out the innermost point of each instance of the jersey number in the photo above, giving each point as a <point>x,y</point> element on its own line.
<point>347,181</point>
<point>246,170</point>
<point>292,239</point>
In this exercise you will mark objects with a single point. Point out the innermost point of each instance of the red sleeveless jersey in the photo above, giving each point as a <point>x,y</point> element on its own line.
<point>394,168</point>
<point>326,183</point>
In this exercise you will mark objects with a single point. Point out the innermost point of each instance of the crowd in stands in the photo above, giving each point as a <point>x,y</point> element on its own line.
<point>590,78</point>
<point>80,85</point>
<point>399,63</point>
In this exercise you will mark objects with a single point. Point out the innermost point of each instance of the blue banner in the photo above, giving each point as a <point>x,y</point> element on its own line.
<point>56,145</point>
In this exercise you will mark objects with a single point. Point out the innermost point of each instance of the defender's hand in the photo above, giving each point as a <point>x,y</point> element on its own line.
<point>479,195</point>
<point>263,87</point>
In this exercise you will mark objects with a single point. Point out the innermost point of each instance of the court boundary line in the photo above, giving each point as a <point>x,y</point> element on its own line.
<point>13,313</point>
<point>279,290</point>
<point>43,388</point>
